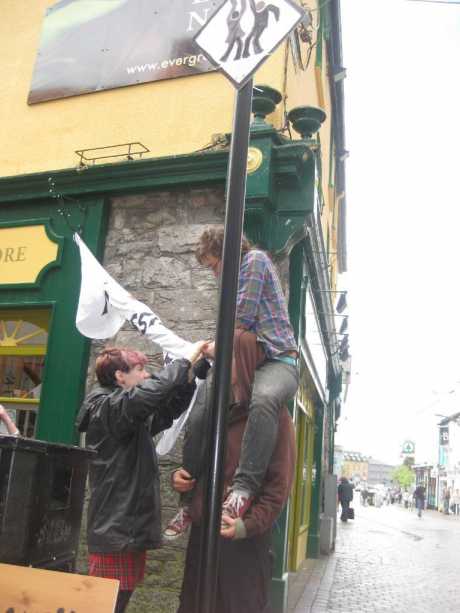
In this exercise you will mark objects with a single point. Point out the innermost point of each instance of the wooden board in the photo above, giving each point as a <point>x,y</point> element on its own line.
<point>33,590</point>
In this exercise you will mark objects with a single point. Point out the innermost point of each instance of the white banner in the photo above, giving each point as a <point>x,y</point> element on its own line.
<point>104,305</point>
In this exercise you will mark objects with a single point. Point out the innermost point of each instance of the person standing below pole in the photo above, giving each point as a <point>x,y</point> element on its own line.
<point>245,560</point>
<point>345,495</point>
<point>262,309</point>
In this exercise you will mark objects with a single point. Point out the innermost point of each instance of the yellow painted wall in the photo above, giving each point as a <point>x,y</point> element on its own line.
<point>351,469</point>
<point>169,117</point>
<point>311,87</point>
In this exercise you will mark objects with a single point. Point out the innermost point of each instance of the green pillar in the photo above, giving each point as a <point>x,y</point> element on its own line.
<point>279,585</point>
<point>313,532</point>
<point>331,424</point>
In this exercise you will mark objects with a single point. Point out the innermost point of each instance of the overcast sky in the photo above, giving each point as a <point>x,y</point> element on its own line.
<point>403,222</point>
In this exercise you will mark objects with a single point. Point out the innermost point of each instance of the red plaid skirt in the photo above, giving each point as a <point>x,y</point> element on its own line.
<point>127,567</point>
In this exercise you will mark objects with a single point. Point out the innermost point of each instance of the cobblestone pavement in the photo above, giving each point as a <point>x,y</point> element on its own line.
<point>389,560</point>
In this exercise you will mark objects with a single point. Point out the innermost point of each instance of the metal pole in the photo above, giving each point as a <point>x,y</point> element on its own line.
<point>234,214</point>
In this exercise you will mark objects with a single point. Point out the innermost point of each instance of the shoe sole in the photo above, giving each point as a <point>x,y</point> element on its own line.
<point>173,537</point>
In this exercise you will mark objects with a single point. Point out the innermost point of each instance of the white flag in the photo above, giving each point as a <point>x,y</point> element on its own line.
<point>104,305</point>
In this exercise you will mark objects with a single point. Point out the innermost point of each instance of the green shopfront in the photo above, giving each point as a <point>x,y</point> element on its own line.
<point>142,218</point>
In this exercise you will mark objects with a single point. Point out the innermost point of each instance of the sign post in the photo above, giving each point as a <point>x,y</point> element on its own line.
<point>236,191</point>
<point>238,38</point>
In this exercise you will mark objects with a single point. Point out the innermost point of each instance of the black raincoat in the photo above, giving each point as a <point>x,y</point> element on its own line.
<point>124,512</point>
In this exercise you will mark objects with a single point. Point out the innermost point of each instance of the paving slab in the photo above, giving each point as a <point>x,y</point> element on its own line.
<point>386,560</point>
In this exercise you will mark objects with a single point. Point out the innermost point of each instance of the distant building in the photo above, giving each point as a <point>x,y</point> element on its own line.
<point>448,470</point>
<point>358,467</point>
<point>355,466</point>
<point>379,472</point>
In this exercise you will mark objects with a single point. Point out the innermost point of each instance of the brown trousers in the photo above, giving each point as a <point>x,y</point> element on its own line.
<point>243,579</point>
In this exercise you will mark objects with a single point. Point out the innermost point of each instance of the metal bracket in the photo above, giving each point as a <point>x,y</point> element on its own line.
<point>124,150</point>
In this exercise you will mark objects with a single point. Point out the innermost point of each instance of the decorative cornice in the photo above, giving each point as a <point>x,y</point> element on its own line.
<point>292,159</point>
<point>142,175</point>
<point>132,176</point>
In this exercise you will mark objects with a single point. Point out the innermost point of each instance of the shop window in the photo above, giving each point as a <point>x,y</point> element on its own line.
<point>23,342</point>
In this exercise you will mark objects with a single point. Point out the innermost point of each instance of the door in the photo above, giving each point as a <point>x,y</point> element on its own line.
<point>301,497</point>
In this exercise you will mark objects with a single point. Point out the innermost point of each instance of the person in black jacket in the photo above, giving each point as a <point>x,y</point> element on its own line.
<point>419,497</point>
<point>119,418</point>
<point>345,494</point>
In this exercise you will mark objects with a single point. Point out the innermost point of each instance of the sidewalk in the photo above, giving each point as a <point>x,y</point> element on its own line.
<point>386,561</point>
<point>310,586</point>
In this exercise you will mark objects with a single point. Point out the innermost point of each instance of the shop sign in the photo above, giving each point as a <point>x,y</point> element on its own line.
<point>24,252</point>
<point>408,448</point>
<point>92,45</point>
<point>444,435</point>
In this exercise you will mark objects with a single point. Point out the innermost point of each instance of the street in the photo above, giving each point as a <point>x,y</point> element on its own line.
<point>388,559</point>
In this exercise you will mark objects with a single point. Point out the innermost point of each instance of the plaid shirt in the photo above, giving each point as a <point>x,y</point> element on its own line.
<point>261,306</point>
<point>128,567</point>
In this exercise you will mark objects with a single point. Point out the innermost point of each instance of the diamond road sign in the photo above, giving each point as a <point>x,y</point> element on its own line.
<point>241,34</point>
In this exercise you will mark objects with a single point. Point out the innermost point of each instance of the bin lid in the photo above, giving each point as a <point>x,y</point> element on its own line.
<point>38,446</point>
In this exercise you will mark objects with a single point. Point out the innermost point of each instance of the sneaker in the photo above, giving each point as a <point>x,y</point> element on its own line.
<point>236,504</point>
<point>178,525</point>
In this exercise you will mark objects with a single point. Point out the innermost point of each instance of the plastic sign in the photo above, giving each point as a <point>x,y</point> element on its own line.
<point>241,34</point>
<point>408,448</point>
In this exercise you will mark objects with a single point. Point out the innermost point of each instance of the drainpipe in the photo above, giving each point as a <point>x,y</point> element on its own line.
<point>313,544</point>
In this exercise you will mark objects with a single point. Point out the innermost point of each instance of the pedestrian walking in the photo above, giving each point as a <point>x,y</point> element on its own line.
<point>406,498</point>
<point>419,498</point>
<point>456,502</point>
<point>446,500</point>
<point>345,495</point>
